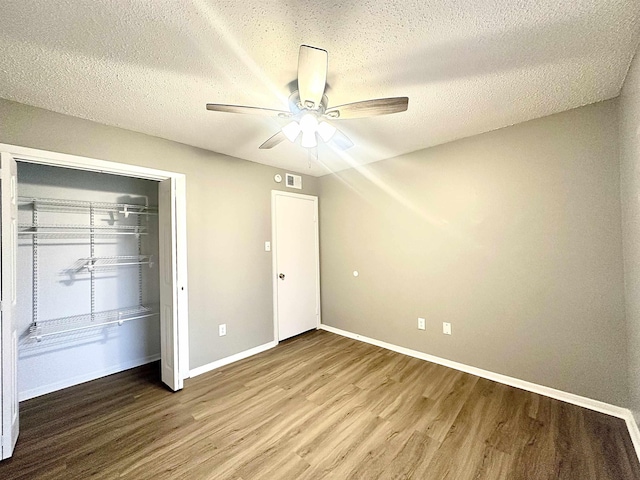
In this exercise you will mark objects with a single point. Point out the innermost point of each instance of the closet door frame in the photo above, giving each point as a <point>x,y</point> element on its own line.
<point>43,157</point>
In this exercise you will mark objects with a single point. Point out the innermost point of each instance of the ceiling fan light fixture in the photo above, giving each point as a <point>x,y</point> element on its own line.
<point>326,131</point>
<point>291,131</point>
<point>309,139</point>
<point>309,123</point>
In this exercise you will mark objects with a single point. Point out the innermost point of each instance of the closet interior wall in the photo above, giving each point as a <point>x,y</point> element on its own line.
<point>82,272</point>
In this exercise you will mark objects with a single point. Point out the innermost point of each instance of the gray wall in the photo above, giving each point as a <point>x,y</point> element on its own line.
<point>513,236</point>
<point>630,195</point>
<point>228,220</point>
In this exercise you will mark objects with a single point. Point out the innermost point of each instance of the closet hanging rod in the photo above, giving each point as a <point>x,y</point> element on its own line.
<point>84,227</point>
<point>131,207</point>
<point>44,230</point>
<point>40,336</point>
<point>117,264</point>
<point>92,318</point>
<point>86,320</point>
<point>107,233</point>
<point>93,262</point>
<point>140,257</point>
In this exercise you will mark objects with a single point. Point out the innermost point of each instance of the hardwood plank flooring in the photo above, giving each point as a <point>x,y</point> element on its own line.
<point>317,406</point>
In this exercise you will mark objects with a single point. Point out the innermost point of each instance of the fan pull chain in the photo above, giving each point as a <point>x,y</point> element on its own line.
<point>312,155</point>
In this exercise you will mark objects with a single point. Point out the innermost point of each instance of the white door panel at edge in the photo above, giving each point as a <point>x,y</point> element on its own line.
<point>168,287</point>
<point>8,333</point>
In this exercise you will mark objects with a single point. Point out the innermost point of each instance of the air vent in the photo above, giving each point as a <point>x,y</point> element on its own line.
<point>293,181</point>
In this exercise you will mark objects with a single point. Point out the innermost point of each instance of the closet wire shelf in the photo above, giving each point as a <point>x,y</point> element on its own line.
<point>83,230</point>
<point>56,326</point>
<point>124,208</point>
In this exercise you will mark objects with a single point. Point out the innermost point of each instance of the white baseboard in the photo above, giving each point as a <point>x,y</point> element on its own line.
<point>231,359</point>
<point>634,432</point>
<point>87,377</point>
<point>572,398</point>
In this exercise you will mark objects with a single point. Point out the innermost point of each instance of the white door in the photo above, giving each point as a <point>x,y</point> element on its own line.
<point>8,333</point>
<point>296,263</point>
<point>168,285</point>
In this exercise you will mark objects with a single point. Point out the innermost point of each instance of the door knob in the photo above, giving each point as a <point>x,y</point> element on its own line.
<point>281,276</point>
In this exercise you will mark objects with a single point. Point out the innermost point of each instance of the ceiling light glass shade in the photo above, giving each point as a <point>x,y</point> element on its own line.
<point>309,139</point>
<point>326,131</point>
<point>291,131</point>
<point>309,123</point>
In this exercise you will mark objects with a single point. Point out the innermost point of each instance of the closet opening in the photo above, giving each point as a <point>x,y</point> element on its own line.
<point>93,265</point>
<point>88,290</point>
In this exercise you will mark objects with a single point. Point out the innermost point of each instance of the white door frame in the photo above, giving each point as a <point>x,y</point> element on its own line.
<point>274,258</point>
<point>44,157</point>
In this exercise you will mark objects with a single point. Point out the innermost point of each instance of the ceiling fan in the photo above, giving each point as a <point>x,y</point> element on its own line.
<point>309,110</point>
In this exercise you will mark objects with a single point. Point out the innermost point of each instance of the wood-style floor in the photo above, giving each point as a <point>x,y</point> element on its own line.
<point>316,406</point>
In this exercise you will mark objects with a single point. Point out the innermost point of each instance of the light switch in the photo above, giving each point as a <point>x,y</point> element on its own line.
<point>267,246</point>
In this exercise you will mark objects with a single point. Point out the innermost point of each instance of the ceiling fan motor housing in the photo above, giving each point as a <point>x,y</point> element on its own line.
<point>296,106</point>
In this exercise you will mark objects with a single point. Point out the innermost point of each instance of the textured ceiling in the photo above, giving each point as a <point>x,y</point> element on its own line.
<point>467,66</point>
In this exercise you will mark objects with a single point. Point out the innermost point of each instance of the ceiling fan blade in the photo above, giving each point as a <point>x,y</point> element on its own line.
<point>312,75</point>
<point>249,110</point>
<point>273,141</point>
<point>369,108</point>
<point>341,141</point>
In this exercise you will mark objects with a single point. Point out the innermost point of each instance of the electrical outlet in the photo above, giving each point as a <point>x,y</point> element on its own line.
<point>222,329</point>
<point>446,328</point>
<point>421,323</point>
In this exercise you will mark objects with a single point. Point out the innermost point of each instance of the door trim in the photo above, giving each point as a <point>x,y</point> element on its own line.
<point>274,259</point>
<point>44,157</point>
